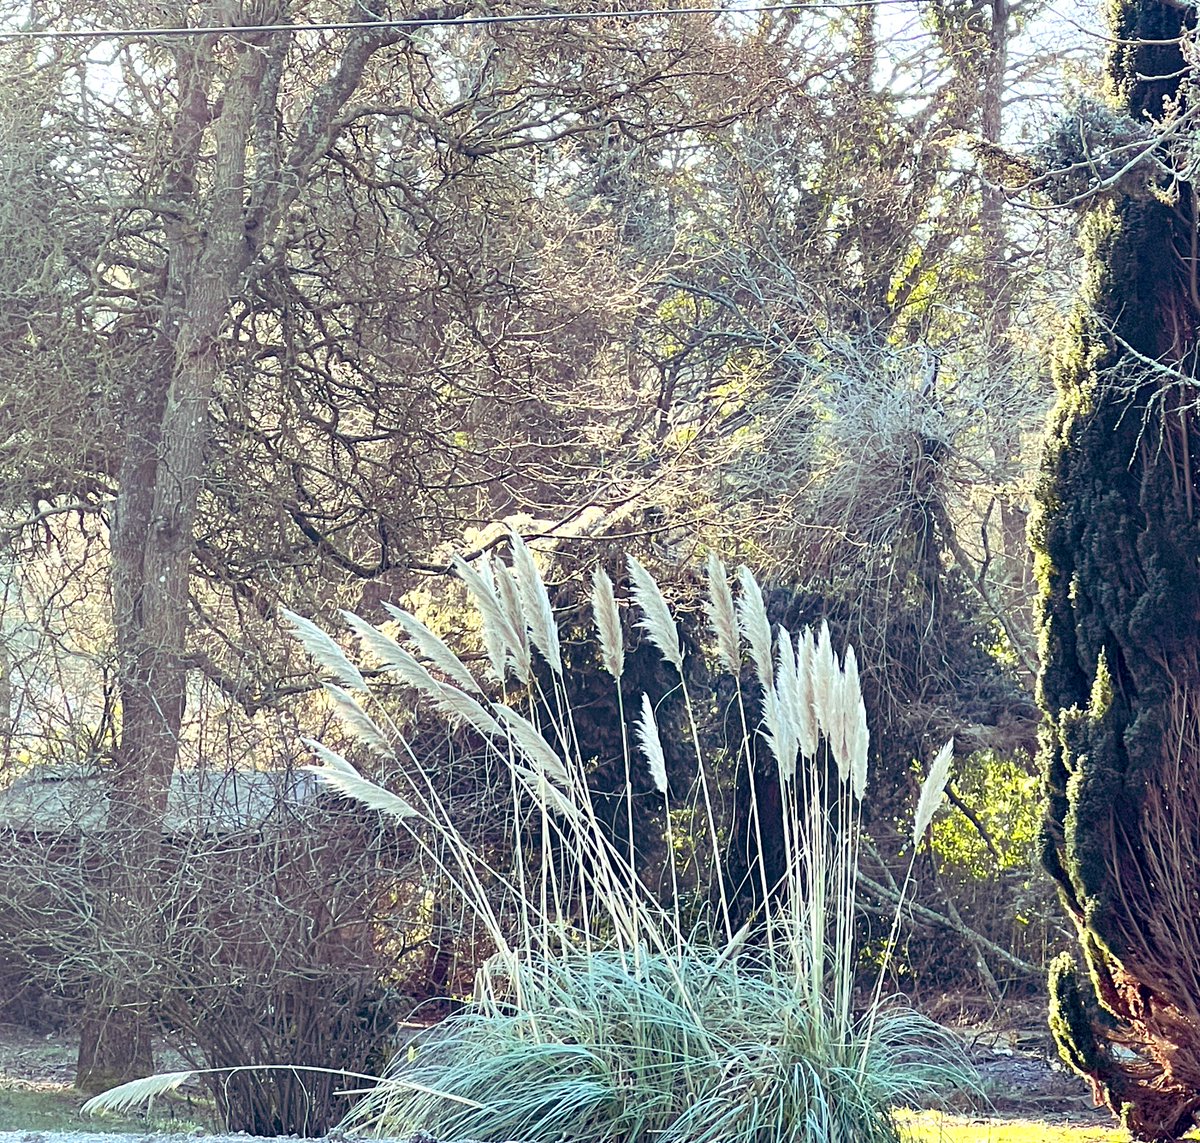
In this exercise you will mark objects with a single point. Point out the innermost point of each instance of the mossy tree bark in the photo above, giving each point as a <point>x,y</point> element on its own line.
<point>1118,551</point>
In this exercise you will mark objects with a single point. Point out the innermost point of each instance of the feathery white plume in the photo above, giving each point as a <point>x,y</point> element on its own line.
<point>854,724</point>
<point>752,621</point>
<point>395,659</point>
<point>860,749</point>
<point>787,676</point>
<point>324,650</point>
<point>608,623</point>
<point>656,620</point>
<point>532,745</point>
<point>837,726</point>
<point>510,602</point>
<point>721,614</point>
<point>342,777</point>
<point>487,600</point>
<point>825,682</point>
<point>357,721</point>
<point>536,782</point>
<point>932,790</point>
<point>778,734</point>
<point>493,640</point>
<point>651,744</point>
<point>535,601</point>
<point>385,649</point>
<point>787,695</point>
<point>806,721</point>
<point>133,1094</point>
<point>434,649</point>
<point>461,707</point>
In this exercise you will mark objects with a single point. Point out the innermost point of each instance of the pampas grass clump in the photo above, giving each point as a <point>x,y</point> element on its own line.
<point>605,1014</point>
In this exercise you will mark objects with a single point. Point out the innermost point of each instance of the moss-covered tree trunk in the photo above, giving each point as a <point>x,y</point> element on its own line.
<point>1118,549</point>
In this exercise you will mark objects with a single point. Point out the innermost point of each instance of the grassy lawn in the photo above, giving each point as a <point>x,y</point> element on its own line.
<point>934,1127</point>
<point>55,1107</point>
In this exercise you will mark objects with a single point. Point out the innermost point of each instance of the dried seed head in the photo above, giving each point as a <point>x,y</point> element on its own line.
<point>932,790</point>
<point>756,630</point>
<point>826,679</point>
<point>535,602</point>
<point>356,720</point>
<point>806,720</point>
<point>651,744</point>
<point>324,650</point>
<point>337,773</point>
<point>608,624</point>
<point>489,600</point>
<point>529,741</point>
<point>433,648</point>
<point>656,620</point>
<point>722,615</point>
<point>854,724</point>
<point>494,642</point>
<point>787,703</point>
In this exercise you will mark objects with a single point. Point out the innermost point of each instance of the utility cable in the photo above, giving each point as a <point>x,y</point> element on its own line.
<point>429,22</point>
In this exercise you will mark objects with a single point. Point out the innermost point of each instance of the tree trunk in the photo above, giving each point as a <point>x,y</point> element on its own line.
<point>215,220</point>
<point>161,474</point>
<point>1118,552</point>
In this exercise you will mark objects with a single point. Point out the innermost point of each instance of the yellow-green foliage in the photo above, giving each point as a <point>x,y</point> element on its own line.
<point>1006,798</point>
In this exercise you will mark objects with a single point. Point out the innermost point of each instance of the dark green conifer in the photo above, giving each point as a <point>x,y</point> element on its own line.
<point>1119,570</point>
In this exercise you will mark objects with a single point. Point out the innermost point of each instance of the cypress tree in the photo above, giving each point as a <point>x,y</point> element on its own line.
<point>1118,550</point>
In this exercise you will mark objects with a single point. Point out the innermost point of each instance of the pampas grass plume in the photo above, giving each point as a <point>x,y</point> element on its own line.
<point>433,648</point>
<point>394,658</point>
<point>390,654</point>
<point>358,722</point>
<point>932,790</point>
<point>651,744</point>
<point>608,624</point>
<point>129,1095</point>
<point>752,620</point>
<point>721,614</point>
<point>543,791</point>
<point>532,745</point>
<point>854,724</point>
<point>535,601</point>
<point>657,620</point>
<point>860,749</point>
<point>510,603</point>
<point>778,735</point>
<point>806,716</point>
<point>324,650</point>
<point>487,598</point>
<point>461,707</point>
<point>786,703</point>
<point>826,680</point>
<point>493,640</point>
<point>338,774</point>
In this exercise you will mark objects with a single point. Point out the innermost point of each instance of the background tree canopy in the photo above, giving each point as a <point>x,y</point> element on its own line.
<point>292,315</point>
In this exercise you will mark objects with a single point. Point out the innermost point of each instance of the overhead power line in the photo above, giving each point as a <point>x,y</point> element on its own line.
<point>430,22</point>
